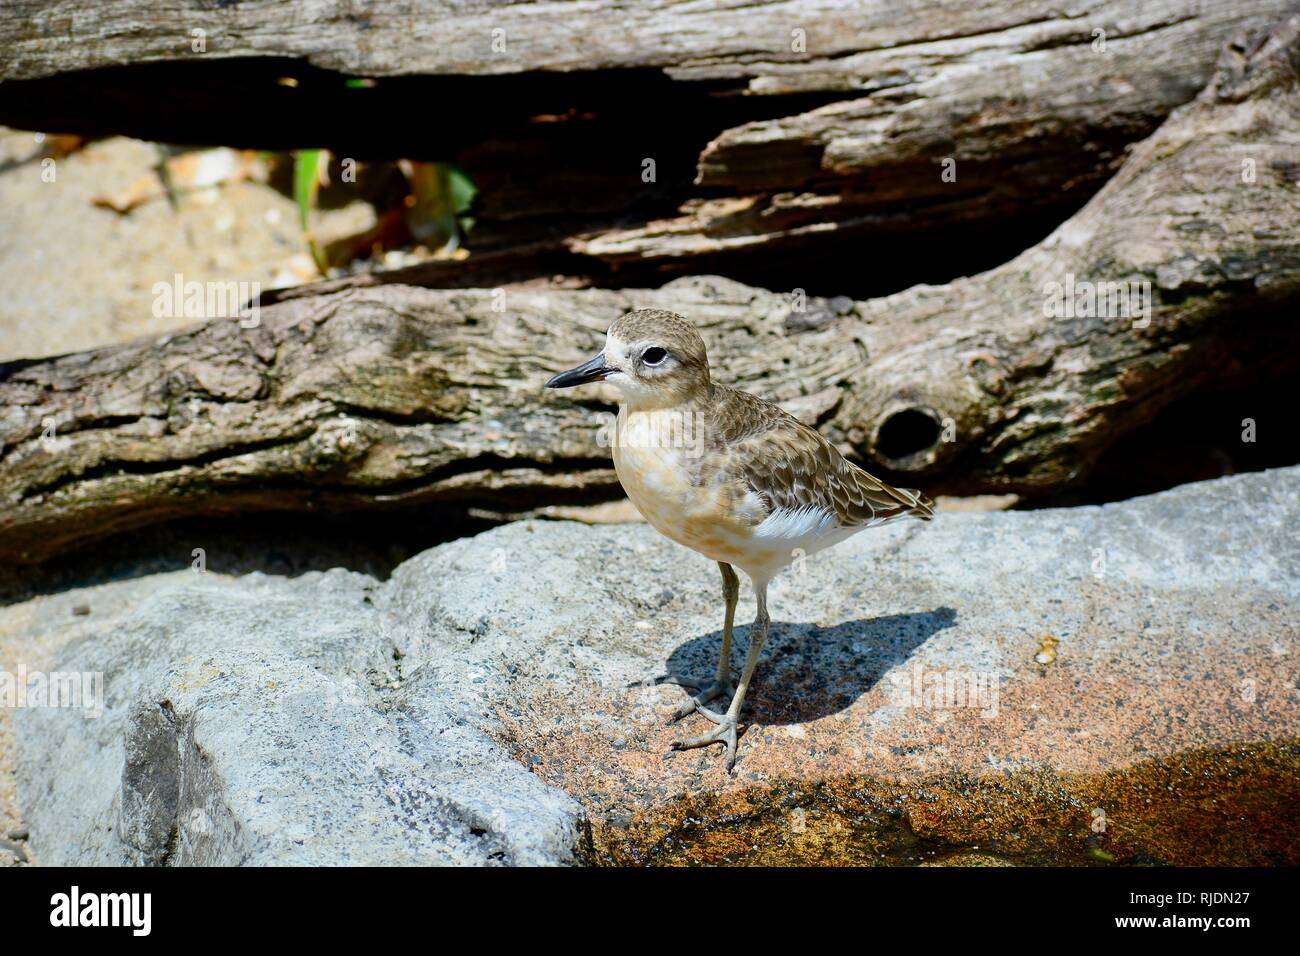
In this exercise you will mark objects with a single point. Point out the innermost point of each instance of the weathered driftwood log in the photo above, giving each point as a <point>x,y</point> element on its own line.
<point>393,395</point>
<point>801,121</point>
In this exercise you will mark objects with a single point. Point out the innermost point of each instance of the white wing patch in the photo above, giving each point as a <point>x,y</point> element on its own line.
<point>791,525</point>
<point>808,529</point>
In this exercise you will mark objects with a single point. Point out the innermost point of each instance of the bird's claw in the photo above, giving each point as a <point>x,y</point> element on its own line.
<point>725,733</point>
<point>711,692</point>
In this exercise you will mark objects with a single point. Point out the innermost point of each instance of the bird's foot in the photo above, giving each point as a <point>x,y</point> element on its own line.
<point>724,733</point>
<point>711,692</point>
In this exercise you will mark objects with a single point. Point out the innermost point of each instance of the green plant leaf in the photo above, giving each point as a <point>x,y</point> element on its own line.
<point>309,167</point>
<point>463,190</point>
<point>306,182</point>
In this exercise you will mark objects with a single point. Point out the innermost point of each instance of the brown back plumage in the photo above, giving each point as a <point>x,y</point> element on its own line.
<point>790,465</point>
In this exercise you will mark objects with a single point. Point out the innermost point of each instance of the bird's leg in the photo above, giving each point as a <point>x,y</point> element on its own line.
<point>721,685</point>
<point>725,732</point>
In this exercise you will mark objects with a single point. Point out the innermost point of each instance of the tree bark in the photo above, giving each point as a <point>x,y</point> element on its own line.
<point>392,395</point>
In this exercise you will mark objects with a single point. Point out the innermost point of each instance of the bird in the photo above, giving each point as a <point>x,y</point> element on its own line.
<point>729,475</point>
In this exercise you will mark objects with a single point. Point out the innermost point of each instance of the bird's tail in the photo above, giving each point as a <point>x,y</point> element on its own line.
<point>888,502</point>
<point>917,505</point>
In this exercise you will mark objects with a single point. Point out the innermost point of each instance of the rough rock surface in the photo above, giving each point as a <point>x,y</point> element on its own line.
<point>252,721</point>
<point>501,699</point>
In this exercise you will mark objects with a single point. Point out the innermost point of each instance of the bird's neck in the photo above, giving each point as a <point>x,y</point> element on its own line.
<point>658,400</point>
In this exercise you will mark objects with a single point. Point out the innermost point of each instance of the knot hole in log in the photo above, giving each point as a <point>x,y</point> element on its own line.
<point>909,438</point>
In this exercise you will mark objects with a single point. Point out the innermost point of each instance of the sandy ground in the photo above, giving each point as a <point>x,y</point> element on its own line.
<point>75,275</point>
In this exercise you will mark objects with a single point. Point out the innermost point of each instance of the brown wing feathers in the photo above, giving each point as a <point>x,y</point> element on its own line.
<point>790,465</point>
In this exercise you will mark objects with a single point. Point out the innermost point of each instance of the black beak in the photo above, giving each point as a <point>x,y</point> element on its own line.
<point>594,371</point>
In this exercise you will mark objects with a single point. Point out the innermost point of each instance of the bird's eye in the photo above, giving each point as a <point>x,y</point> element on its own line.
<point>654,355</point>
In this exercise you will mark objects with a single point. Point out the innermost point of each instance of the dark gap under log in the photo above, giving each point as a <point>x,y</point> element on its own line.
<point>278,543</point>
<point>1196,439</point>
<point>245,103</point>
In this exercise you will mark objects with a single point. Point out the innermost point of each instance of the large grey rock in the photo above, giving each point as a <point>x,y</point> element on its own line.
<point>501,699</point>
<point>258,721</point>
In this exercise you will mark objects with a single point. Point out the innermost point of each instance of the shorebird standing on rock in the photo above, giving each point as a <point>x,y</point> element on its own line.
<point>729,475</point>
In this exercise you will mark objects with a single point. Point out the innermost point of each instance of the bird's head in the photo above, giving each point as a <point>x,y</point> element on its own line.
<point>656,359</point>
